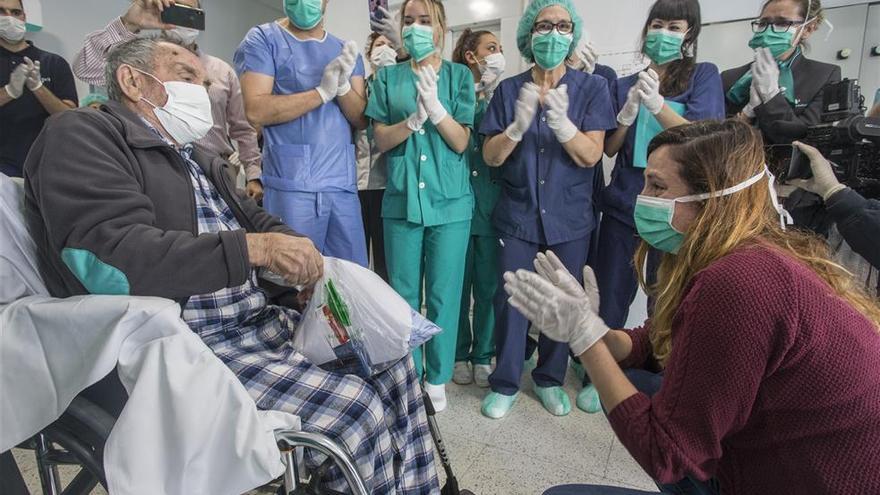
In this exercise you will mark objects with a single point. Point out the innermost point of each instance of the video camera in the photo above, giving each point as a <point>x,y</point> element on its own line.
<point>848,139</point>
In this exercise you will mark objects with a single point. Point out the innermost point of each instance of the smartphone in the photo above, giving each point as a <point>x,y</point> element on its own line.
<point>375,14</point>
<point>799,167</point>
<point>182,15</point>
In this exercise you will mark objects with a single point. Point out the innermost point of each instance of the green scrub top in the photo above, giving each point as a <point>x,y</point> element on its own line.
<point>427,181</point>
<point>483,180</point>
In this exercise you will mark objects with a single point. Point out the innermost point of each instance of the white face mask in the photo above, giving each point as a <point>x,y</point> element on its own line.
<point>186,116</point>
<point>491,70</point>
<point>12,29</point>
<point>186,35</point>
<point>383,55</point>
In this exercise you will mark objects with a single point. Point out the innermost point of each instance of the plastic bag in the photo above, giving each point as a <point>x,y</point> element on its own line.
<point>356,324</point>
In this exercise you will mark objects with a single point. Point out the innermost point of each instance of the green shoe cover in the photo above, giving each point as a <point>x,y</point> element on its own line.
<point>578,369</point>
<point>496,405</point>
<point>554,399</point>
<point>588,400</point>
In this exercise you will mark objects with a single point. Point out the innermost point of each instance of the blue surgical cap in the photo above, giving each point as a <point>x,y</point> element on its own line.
<point>524,31</point>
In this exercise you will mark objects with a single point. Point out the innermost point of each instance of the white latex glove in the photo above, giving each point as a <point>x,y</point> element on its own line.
<point>526,108</point>
<point>556,102</point>
<point>329,85</point>
<point>589,56</point>
<point>34,78</point>
<point>824,182</point>
<point>388,28</point>
<point>649,91</point>
<point>417,120</point>
<point>754,102</point>
<point>347,60</point>
<point>560,316</point>
<point>630,110</point>
<point>765,75</point>
<point>427,86</point>
<point>17,80</point>
<point>551,268</point>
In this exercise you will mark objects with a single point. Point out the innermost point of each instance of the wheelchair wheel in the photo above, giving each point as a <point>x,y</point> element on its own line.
<point>76,439</point>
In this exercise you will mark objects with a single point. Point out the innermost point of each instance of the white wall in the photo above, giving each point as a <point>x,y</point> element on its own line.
<point>66,22</point>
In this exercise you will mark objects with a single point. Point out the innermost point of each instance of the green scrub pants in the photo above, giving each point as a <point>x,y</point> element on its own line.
<point>476,344</point>
<point>436,255</point>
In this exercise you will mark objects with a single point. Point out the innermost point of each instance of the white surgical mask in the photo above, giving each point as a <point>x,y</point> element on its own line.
<point>383,55</point>
<point>12,29</point>
<point>186,35</point>
<point>491,70</point>
<point>186,116</point>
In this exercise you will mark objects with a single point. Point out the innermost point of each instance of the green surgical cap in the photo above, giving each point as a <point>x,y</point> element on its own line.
<point>93,98</point>
<point>524,31</point>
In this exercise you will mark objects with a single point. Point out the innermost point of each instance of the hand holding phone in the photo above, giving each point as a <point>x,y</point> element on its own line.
<point>184,16</point>
<point>146,14</point>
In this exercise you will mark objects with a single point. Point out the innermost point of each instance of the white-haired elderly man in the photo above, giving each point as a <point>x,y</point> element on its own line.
<point>121,202</point>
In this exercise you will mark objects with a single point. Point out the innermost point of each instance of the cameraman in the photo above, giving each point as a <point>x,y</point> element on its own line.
<point>855,217</point>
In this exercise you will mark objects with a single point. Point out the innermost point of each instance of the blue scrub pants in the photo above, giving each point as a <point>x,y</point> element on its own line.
<point>511,328</point>
<point>332,220</point>
<point>649,384</point>
<point>433,256</point>
<point>614,269</point>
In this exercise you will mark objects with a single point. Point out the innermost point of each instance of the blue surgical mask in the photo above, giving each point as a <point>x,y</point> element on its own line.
<point>653,216</point>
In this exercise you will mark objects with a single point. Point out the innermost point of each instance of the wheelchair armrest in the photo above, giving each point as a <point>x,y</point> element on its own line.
<point>290,440</point>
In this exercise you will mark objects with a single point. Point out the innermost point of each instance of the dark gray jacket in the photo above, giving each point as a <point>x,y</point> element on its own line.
<point>112,209</point>
<point>810,78</point>
<point>858,221</point>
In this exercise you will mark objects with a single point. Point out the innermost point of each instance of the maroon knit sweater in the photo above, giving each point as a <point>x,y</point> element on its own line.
<point>772,386</point>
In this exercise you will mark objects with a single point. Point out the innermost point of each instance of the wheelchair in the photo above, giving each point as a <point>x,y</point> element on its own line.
<point>77,439</point>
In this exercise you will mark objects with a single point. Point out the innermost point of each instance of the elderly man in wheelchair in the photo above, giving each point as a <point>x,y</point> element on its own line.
<point>121,203</point>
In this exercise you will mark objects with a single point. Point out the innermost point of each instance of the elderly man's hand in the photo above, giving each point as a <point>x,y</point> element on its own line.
<point>146,14</point>
<point>294,258</point>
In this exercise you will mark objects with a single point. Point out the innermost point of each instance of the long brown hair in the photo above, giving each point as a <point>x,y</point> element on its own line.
<point>714,156</point>
<point>678,73</point>
<point>467,42</point>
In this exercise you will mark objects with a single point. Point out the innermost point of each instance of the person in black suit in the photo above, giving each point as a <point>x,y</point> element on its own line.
<point>782,84</point>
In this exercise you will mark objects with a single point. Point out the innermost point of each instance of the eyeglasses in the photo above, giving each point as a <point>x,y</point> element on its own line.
<point>760,25</point>
<point>545,27</point>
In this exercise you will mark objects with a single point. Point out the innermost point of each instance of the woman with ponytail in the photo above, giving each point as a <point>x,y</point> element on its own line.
<point>673,90</point>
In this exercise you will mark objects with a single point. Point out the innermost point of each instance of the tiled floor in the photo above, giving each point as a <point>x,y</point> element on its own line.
<point>523,454</point>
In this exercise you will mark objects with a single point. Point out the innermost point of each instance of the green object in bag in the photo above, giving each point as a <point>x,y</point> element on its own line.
<point>647,128</point>
<point>337,305</point>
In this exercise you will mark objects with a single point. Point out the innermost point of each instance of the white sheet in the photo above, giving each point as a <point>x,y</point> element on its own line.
<point>189,425</point>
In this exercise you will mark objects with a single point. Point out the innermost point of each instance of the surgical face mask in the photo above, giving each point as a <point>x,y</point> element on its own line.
<point>186,116</point>
<point>304,14</point>
<point>663,46</point>
<point>653,216</point>
<point>12,29</point>
<point>778,43</point>
<point>186,35</point>
<point>551,49</point>
<point>418,40</point>
<point>493,64</point>
<point>383,55</point>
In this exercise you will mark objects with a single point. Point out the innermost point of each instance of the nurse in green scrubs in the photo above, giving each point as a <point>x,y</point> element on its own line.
<point>423,116</point>
<point>481,52</point>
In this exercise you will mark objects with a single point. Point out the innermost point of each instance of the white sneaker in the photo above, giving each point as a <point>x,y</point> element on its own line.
<point>481,374</point>
<point>437,394</point>
<point>462,374</point>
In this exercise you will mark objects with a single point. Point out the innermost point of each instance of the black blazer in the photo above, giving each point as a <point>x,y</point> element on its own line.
<point>810,77</point>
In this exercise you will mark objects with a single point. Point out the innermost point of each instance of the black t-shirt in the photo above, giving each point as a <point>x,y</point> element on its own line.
<point>21,120</point>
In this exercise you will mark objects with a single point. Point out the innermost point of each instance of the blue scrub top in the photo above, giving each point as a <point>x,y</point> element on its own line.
<point>704,99</point>
<point>545,197</point>
<point>314,153</point>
